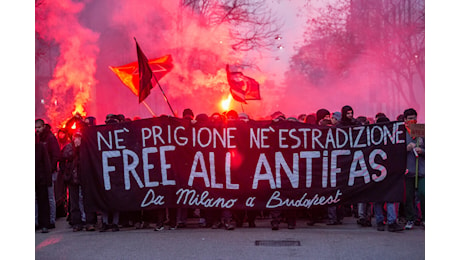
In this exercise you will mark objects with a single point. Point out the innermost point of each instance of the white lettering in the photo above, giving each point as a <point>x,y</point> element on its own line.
<point>106,168</point>
<point>334,168</point>
<point>228,179</point>
<point>309,156</point>
<point>196,174</point>
<point>293,174</point>
<point>151,199</point>
<point>202,200</point>
<point>275,201</point>
<point>294,137</point>
<point>316,134</point>
<point>358,137</point>
<point>337,137</point>
<point>230,137</point>
<point>108,144</point>
<point>118,139</point>
<point>253,138</point>
<point>156,130</point>
<point>146,134</point>
<point>265,176</point>
<point>330,139</point>
<point>325,168</point>
<point>180,140</point>
<point>281,138</point>
<point>165,166</point>
<point>131,168</point>
<point>200,142</point>
<point>355,172</point>
<point>376,166</point>
<point>212,169</point>
<point>147,166</point>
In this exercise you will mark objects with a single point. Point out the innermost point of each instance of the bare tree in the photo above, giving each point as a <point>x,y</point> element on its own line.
<point>389,34</point>
<point>39,42</point>
<point>329,46</point>
<point>394,32</point>
<point>253,25</point>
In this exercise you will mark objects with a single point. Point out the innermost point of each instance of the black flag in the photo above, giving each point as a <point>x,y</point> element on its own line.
<point>145,74</point>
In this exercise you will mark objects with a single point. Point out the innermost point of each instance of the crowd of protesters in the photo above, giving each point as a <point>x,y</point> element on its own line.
<point>58,155</point>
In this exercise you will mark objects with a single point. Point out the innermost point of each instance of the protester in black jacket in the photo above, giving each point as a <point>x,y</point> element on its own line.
<point>50,141</point>
<point>52,146</point>
<point>71,165</point>
<point>347,117</point>
<point>349,120</point>
<point>42,182</point>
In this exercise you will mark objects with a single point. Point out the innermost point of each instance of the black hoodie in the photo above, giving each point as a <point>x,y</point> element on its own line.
<point>345,121</point>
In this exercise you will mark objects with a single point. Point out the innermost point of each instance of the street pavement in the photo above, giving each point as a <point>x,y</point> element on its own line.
<point>347,241</point>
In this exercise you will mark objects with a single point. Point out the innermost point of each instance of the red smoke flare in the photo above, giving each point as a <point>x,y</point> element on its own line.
<point>73,77</point>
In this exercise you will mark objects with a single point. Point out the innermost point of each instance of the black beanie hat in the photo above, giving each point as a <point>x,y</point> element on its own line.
<point>321,113</point>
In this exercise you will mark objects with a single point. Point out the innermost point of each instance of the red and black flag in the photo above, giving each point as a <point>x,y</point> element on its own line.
<point>137,75</point>
<point>242,87</point>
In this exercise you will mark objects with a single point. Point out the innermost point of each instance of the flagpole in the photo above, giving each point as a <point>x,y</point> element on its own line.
<point>148,108</point>
<point>242,106</point>
<point>164,95</point>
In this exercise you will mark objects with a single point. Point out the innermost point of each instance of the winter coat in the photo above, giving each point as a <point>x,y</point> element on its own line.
<point>345,121</point>
<point>70,165</point>
<point>42,165</point>
<point>50,141</point>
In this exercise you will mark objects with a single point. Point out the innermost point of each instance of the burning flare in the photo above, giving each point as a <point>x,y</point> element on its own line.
<point>225,103</point>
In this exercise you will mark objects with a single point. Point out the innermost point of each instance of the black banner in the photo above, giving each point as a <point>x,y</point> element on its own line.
<point>170,162</point>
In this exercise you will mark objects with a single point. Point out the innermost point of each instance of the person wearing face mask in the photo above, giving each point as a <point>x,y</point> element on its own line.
<point>415,165</point>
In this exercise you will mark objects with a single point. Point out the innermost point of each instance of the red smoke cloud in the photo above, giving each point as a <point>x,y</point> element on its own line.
<point>73,75</point>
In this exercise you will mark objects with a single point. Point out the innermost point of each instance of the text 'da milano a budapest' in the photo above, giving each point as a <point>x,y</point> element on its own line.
<point>171,162</point>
